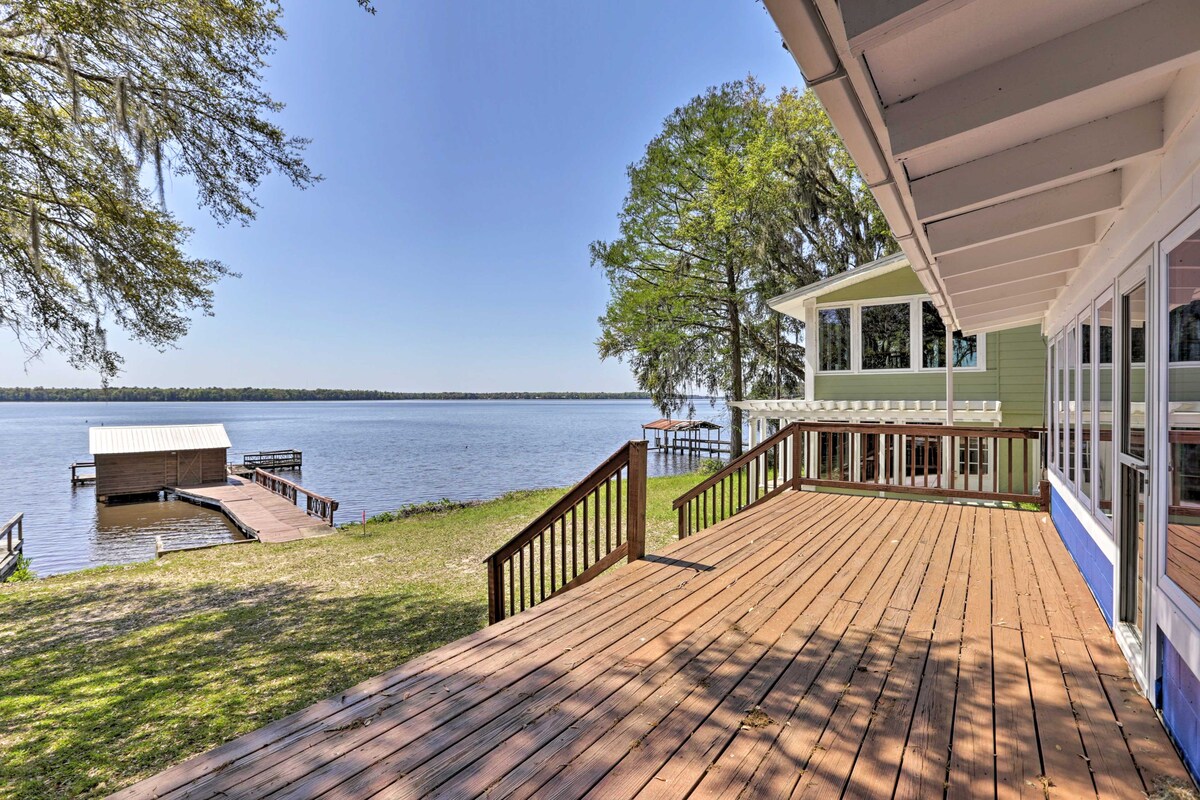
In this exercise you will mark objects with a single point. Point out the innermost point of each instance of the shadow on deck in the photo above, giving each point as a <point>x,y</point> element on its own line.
<point>815,644</point>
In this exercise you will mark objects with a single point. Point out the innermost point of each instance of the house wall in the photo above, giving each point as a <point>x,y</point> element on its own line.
<point>144,473</point>
<point>1015,371</point>
<point>1159,200</point>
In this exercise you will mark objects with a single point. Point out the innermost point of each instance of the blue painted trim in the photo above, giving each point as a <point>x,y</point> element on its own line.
<point>1097,570</point>
<point>1181,705</point>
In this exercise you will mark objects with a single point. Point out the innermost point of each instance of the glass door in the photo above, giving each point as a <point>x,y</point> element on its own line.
<point>1133,460</point>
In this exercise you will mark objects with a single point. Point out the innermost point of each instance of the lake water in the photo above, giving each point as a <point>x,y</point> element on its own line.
<point>369,456</point>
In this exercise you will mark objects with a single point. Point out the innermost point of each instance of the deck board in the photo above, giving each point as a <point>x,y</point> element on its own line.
<point>815,645</point>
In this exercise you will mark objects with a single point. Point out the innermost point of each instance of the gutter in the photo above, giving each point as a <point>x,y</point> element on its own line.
<point>807,39</point>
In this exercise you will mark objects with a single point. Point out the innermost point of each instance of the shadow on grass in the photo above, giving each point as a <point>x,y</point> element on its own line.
<point>103,689</point>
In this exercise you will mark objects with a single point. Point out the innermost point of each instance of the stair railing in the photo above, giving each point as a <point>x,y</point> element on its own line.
<point>600,521</point>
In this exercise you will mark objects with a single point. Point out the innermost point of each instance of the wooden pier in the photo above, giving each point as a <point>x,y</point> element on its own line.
<point>12,540</point>
<point>265,508</point>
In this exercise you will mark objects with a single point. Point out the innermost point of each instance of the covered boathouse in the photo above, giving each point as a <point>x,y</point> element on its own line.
<point>144,459</point>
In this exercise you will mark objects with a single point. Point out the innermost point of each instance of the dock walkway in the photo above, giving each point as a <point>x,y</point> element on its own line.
<point>256,511</point>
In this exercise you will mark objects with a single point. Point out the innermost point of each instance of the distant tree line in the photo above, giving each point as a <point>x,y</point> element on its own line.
<point>150,394</point>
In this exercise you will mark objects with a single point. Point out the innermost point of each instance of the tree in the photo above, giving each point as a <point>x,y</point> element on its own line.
<point>739,198</point>
<point>98,99</point>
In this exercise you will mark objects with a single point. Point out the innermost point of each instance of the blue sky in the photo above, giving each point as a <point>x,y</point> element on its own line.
<point>471,152</point>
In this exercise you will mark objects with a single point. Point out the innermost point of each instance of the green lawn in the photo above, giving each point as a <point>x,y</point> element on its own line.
<point>114,674</point>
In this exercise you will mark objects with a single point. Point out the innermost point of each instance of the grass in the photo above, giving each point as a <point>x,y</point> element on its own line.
<point>116,673</point>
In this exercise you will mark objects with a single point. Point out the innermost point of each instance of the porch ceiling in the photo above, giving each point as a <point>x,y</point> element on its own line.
<point>1002,138</point>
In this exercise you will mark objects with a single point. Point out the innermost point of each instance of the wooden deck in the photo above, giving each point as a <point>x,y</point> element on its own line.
<point>814,645</point>
<point>255,510</point>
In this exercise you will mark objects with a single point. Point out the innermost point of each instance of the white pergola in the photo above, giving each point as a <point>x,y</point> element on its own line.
<point>1015,146</point>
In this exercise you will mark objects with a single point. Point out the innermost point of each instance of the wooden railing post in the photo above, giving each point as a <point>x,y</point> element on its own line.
<point>581,535</point>
<point>797,455</point>
<point>636,507</point>
<point>494,601</point>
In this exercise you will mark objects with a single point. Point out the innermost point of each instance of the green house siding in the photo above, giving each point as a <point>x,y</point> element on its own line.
<point>898,283</point>
<point>1015,375</point>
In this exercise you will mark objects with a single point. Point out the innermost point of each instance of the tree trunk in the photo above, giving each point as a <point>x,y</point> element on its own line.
<point>736,390</point>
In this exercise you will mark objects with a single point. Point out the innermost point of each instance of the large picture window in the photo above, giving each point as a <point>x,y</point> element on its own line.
<point>886,337</point>
<point>933,342</point>
<point>834,333</point>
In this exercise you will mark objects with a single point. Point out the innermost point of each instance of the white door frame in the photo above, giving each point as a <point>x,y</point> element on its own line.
<point>1138,645</point>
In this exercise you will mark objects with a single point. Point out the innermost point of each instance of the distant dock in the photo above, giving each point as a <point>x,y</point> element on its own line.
<point>691,436</point>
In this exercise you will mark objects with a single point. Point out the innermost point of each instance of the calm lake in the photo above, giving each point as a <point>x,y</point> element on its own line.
<point>369,456</point>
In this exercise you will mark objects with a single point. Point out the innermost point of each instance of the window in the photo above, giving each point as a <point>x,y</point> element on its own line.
<point>1052,397</point>
<point>1085,404</point>
<point>886,340</point>
<point>1060,395</point>
<point>933,342</point>
<point>973,457</point>
<point>1103,440</point>
<point>1183,423</point>
<point>1071,405</point>
<point>834,335</point>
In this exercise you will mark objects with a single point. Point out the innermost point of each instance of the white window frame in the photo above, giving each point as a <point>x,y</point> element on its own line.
<point>915,338</point>
<point>1085,318</point>
<point>1178,600</point>
<point>1106,296</point>
<point>853,325</point>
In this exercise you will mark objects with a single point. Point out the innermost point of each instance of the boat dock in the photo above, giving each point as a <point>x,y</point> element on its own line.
<point>692,436</point>
<point>264,508</point>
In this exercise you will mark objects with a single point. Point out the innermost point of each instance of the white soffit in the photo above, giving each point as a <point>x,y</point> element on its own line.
<point>1004,137</point>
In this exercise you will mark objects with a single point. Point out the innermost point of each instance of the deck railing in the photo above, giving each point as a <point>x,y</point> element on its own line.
<point>316,505</point>
<point>963,462</point>
<point>761,472</point>
<point>14,547</point>
<point>273,459</point>
<point>596,524</point>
